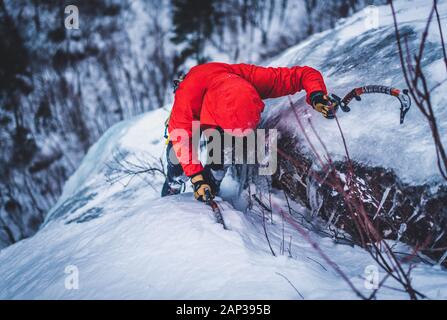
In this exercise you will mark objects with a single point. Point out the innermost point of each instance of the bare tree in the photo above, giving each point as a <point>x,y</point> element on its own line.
<point>416,79</point>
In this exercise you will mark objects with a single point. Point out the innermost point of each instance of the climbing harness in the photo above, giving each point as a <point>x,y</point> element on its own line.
<point>175,85</point>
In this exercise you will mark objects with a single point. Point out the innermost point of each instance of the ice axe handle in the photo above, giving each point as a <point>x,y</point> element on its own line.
<point>339,102</point>
<point>208,196</point>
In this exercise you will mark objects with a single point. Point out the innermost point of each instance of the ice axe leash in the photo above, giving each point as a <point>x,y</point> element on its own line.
<point>401,95</point>
<point>215,208</point>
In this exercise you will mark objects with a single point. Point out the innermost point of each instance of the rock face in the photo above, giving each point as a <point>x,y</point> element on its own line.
<point>392,177</point>
<point>413,214</point>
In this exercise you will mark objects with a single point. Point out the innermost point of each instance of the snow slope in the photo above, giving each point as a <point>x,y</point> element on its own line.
<point>353,55</point>
<point>126,242</point>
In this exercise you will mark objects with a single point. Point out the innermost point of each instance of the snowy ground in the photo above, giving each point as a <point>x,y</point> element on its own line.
<point>126,242</point>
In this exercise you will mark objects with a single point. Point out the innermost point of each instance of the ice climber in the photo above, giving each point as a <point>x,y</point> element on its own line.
<point>226,97</point>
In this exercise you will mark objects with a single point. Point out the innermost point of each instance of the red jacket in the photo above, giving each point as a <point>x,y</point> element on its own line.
<point>230,96</point>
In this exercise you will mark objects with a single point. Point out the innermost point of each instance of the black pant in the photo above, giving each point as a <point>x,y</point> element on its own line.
<point>212,172</point>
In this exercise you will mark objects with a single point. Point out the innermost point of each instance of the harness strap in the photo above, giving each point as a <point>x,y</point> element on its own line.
<point>176,84</point>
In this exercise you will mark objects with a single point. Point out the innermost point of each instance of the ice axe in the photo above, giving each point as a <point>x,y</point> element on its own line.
<point>402,95</point>
<point>213,204</point>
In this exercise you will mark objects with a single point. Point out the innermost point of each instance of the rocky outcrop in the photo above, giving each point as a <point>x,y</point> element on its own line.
<point>413,214</point>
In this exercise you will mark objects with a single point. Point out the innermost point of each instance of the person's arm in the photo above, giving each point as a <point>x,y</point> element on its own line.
<point>181,130</point>
<point>277,82</point>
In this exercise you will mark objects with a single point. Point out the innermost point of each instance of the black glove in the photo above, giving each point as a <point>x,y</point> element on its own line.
<point>323,104</point>
<point>202,188</point>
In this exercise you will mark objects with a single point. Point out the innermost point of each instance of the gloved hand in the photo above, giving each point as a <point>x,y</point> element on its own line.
<point>202,189</point>
<point>323,104</point>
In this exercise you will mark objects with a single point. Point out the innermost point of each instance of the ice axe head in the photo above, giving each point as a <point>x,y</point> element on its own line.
<point>405,104</point>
